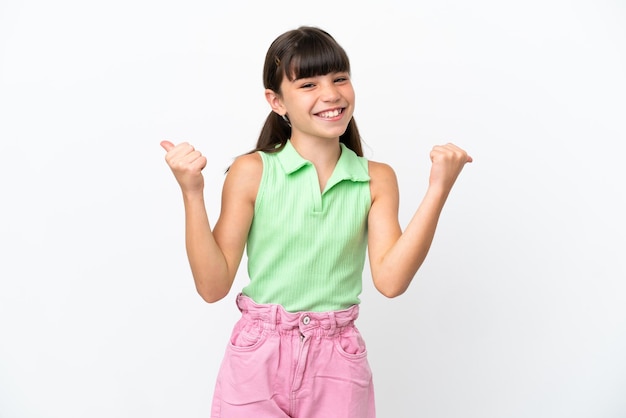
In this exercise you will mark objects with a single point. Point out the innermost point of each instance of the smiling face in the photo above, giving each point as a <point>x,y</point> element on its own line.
<point>306,75</point>
<point>319,106</point>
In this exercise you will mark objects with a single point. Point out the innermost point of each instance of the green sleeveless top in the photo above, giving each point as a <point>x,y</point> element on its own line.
<point>306,249</point>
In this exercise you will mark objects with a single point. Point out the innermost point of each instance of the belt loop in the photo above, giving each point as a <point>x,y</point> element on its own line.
<point>273,316</point>
<point>333,323</point>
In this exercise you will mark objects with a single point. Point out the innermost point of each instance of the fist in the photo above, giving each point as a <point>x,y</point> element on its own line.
<point>447,162</point>
<point>186,163</point>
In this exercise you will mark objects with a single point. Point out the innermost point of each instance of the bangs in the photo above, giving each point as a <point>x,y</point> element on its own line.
<point>313,56</point>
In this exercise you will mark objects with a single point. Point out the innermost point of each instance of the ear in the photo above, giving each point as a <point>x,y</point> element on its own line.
<point>275,102</point>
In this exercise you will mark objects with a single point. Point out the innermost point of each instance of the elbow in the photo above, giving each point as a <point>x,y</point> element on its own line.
<point>391,288</point>
<point>212,294</point>
<point>213,286</point>
<point>211,297</point>
<point>391,293</point>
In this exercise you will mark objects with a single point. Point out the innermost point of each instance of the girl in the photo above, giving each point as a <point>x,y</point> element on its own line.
<point>304,204</point>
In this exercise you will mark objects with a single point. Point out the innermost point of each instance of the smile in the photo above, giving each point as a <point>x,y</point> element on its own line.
<point>329,114</point>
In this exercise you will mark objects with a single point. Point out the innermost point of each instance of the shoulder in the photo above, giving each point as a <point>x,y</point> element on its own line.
<point>379,170</point>
<point>383,180</point>
<point>247,164</point>
<point>381,174</point>
<point>244,174</point>
<point>246,168</point>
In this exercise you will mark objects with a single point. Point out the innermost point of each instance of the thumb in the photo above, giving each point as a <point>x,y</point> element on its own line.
<point>167,145</point>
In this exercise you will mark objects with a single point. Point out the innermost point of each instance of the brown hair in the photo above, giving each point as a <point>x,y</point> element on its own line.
<point>303,52</point>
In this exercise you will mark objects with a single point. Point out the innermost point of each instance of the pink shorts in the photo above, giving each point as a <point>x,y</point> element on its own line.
<point>294,365</point>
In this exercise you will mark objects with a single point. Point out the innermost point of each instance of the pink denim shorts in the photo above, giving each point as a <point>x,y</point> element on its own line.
<point>280,364</point>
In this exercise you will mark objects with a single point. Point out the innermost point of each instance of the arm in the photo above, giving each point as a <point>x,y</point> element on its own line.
<point>395,256</point>
<point>214,255</point>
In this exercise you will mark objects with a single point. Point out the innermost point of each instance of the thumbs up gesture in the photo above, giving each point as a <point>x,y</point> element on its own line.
<point>186,163</point>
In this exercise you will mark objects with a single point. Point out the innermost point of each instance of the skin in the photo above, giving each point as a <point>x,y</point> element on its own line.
<point>395,256</point>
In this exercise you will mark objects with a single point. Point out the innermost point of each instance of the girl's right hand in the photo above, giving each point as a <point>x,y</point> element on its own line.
<point>186,163</point>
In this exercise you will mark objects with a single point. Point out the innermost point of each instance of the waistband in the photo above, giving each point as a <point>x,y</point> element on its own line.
<point>275,317</point>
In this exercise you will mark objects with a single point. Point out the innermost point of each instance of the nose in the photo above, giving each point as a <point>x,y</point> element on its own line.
<point>330,92</point>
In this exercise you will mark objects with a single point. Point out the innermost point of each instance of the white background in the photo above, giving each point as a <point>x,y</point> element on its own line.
<point>520,309</point>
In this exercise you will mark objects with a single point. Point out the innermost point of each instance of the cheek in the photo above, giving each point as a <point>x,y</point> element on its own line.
<point>350,95</point>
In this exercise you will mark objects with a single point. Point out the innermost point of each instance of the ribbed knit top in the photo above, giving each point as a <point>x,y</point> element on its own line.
<point>306,248</point>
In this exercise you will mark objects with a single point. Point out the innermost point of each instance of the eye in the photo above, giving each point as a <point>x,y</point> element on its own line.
<point>306,83</point>
<point>341,79</point>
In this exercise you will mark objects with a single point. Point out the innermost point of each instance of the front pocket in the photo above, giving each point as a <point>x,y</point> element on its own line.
<point>250,365</point>
<point>350,343</point>
<point>247,335</point>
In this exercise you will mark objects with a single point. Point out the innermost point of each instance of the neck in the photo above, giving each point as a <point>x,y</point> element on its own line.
<point>323,153</point>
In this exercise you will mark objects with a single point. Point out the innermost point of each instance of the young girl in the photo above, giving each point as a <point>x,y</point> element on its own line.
<point>305,204</point>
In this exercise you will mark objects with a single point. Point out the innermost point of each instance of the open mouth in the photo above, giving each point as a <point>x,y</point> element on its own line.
<point>330,114</point>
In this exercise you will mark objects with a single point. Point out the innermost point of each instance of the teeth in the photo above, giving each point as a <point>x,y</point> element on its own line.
<point>330,114</point>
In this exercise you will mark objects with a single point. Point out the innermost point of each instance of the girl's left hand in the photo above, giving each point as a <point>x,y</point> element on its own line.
<point>447,162</point>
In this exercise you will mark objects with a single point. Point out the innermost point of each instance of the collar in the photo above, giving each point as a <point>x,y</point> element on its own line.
<point>349,166</point>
